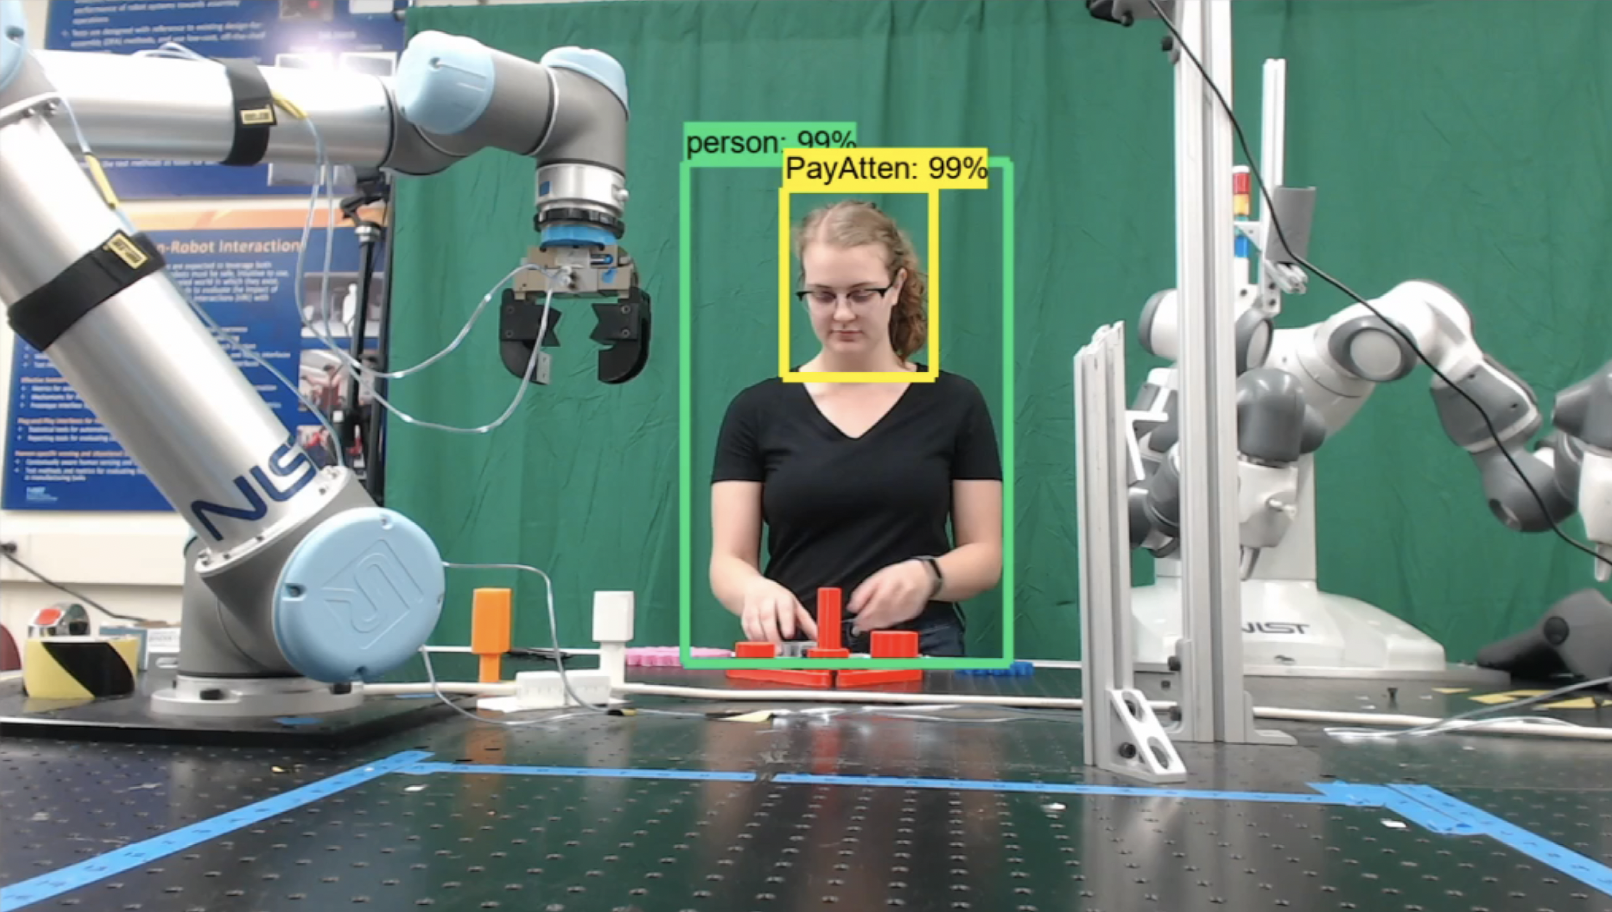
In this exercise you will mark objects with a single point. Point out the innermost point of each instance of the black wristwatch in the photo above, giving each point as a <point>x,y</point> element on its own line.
<point>934,573</point>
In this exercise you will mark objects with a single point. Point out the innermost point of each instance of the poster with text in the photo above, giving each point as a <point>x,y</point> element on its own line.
<point>240,267</point>
<point>359,36</point>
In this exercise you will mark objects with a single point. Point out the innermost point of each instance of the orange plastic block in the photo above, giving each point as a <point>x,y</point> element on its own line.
<point>895,644</point>
<point>828,653</point>
<point>821,680</point>
<point>828,618</point>
<point>755,650</point>
<point>491,622</point>
<point>871,676</point>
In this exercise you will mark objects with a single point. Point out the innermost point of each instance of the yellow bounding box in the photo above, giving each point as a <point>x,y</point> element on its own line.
<point>884,169</point>
<point>893,169</point>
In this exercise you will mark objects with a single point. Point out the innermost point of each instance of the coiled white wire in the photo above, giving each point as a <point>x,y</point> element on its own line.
<point>351,364</point>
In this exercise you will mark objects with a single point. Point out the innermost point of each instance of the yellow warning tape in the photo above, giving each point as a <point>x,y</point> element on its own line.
<point>1515,696</point>
<point>79,667</point>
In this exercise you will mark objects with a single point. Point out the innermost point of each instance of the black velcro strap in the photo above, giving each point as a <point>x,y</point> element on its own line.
<point>254,112</point>
<point>50,310</point>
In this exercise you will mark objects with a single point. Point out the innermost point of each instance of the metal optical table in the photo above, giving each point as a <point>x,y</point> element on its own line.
<point>680,807</point>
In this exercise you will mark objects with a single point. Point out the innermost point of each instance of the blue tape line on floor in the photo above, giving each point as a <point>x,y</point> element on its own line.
<point>1062,788</point>
<point>1587,870</point>
<point>72,877</point>
<point>422,769</point>
<point>1385,797</point>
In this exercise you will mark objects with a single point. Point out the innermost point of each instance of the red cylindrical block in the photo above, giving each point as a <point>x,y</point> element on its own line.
<point>755,650</point>
<point>828,618</point>
<point>895,644</point>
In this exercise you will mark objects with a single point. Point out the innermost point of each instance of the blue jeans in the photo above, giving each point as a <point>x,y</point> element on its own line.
<point>940,633</point>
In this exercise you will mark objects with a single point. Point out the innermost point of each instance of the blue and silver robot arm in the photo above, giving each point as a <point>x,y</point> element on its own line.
<point>312,578</point>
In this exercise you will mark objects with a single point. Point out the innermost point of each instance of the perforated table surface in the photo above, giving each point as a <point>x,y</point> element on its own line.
<point>886,808</point>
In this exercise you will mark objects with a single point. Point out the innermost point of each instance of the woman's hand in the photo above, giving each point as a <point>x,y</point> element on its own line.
<point>897,593</point>
<point>772,614</point>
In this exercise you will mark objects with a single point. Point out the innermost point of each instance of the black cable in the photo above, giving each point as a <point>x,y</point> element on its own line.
<point>359,425</point>
<point>1270,211</point>
<point>349,418</point>
<point>80,596</point>
<point>375,432</point>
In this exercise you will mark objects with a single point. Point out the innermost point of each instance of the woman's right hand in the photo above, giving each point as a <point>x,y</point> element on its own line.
<point>772,614</point>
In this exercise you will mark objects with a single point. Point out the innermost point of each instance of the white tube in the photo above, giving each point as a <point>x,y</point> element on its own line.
<point>539,649</point>
<point>502,688</point>
<point>1580,732</point>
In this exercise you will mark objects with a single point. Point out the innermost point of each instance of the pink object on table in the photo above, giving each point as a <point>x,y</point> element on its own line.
<point>670,656</point>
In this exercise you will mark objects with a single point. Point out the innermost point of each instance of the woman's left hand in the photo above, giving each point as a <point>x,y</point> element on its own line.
<point>897,593</point>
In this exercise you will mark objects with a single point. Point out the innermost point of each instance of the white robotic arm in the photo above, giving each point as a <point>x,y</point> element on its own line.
<point>1581,452</point>
<point>1342,359</point>
<point>1275,428</point>
<point>1528,490</point>
<point>312,579</point>
<point>1333,367</point>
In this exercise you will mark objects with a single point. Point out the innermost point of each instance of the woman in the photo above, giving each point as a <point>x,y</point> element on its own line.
<point>856,481</point>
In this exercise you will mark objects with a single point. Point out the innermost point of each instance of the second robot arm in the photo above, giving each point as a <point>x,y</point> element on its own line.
<point>1342,359</point>
<point>1333,367</point>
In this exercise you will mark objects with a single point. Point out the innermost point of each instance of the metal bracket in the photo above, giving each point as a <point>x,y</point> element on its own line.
<point>622,324</point>
<point>1121,733</point>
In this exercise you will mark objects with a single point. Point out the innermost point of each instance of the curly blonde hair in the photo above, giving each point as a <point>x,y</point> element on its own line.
<point>854,223</point>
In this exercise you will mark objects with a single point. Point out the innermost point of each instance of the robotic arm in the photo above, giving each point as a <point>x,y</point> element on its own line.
<point>1331,369</point>
<point>1581,451</point>
<point>312,580</point>
<point>1345,357</point>
<point>451,98</point>
<point>1275,428</point>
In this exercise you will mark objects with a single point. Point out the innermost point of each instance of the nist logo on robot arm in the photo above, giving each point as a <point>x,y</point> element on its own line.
<point>286,462</point>
<point>1282,628</point>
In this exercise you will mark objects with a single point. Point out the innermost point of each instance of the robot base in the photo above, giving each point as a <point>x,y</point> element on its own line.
<point>309,720</point>
<point>242,698</point>
<point>1293,629</point>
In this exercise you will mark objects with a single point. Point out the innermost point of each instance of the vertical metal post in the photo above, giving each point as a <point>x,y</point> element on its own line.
<point>1120,731</point>
<point>1273,120</point>
<point>1214,705</point>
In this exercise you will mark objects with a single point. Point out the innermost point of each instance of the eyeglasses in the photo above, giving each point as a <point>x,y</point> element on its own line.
<point>859,297</point>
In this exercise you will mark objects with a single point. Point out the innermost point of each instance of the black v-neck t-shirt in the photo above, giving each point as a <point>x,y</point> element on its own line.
<point>837,509</point>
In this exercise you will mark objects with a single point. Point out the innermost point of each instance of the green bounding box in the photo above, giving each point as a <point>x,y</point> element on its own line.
<point>758,144</point>
<point>685,448</point>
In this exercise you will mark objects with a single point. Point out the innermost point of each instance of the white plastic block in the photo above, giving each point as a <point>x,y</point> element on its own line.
<point>592,686</point>
<point>613,662</point>
<point>539,689</point>
<point>612,617</point>
<point>546,690</point>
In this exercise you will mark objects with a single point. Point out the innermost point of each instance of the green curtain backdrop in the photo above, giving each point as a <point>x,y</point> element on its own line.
<point>1464,143</point>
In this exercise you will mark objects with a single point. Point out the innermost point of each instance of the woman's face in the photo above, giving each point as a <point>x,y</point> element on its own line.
<point>849,296</point>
